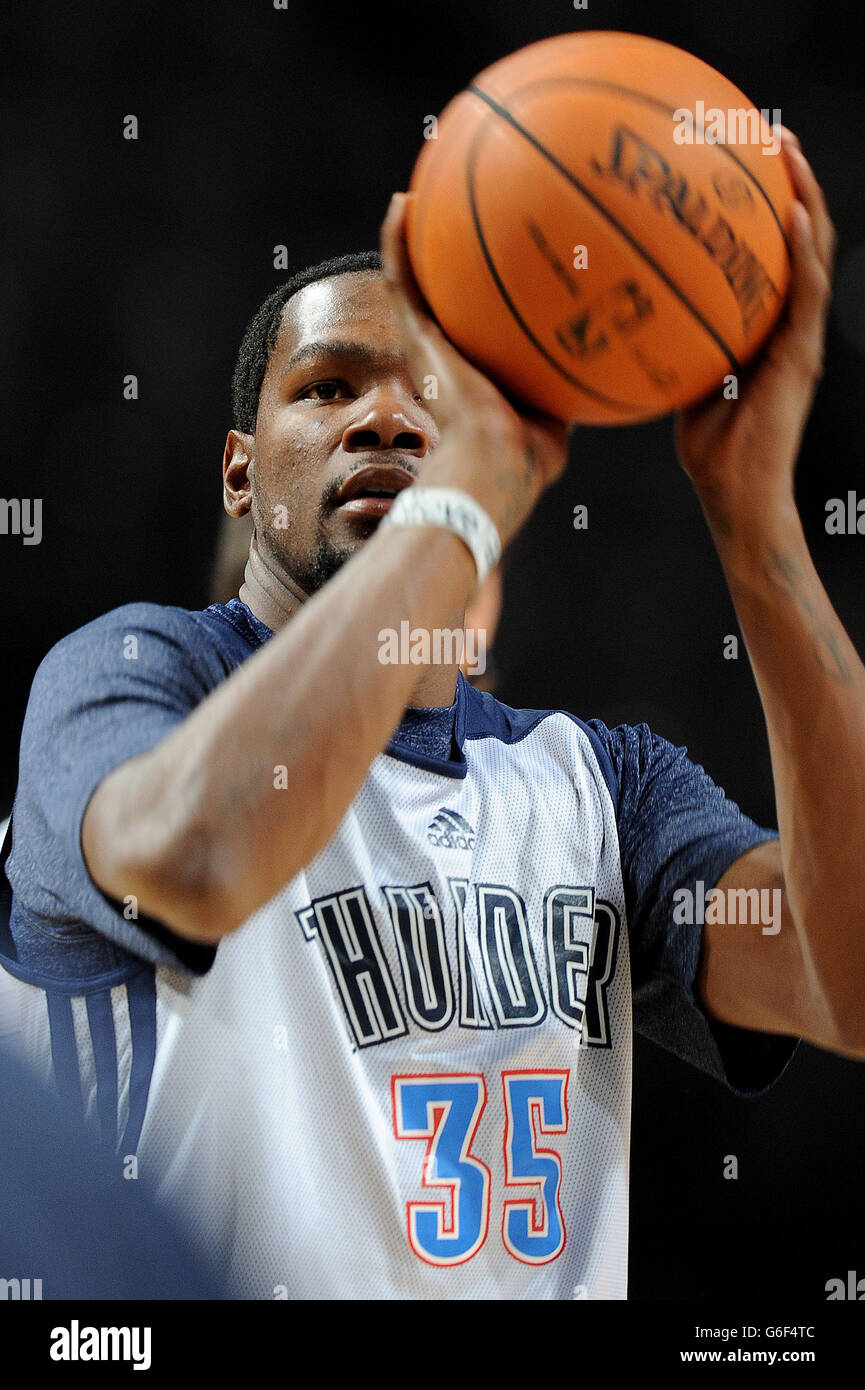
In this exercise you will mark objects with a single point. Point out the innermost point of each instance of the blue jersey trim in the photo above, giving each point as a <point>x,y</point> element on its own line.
<point>481,715</point>
<point>64,1052</point>
<point>238,619</point>
<point>605,762</point>
<point>91,984</point>
<point>445,766</point>
<point>100,1016</point>
<point>141,994</point>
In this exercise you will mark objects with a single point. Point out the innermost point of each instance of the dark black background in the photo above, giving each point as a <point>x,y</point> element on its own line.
<point>260,127</point>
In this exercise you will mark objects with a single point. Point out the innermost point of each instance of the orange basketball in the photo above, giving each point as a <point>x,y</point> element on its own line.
<point>601,224</point>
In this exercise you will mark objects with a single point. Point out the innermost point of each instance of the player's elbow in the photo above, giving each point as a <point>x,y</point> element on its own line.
<point>178,887</point>
<point>156,863</point>
<point>202,881</point>
<point>166,838</point>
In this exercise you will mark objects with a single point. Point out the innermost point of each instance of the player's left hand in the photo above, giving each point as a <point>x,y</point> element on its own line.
<point>741,454</point>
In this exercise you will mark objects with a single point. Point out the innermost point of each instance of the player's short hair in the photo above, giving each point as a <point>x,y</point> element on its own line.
<point>262,331</point>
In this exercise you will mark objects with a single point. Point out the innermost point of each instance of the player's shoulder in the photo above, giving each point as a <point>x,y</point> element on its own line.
<point>156,616</point>
<point>624,752</point>
<point>149,633</point>
<point>489,717</point>
<point>131,620</point>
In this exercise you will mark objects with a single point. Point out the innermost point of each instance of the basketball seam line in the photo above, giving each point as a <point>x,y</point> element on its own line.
<point>515,313</point>
<point>599,207</point>
<point>668,111</point>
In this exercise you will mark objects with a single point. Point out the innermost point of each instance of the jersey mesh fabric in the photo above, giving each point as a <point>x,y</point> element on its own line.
<point>265,1105</point>
<point>296,1090</point>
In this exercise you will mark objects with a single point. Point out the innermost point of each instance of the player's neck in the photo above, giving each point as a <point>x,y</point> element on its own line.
<point>274,598</point>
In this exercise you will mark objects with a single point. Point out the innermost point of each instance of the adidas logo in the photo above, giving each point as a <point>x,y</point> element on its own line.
<point>450,830</point>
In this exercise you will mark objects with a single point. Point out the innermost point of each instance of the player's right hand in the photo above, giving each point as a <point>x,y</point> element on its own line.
<point>502,457</point>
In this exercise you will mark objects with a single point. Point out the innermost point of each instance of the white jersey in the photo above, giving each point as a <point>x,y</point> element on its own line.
<point>408,1075</point>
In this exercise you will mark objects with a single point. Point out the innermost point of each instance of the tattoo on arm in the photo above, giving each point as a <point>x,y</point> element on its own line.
<point>786,578</point>
<point>517,490</point>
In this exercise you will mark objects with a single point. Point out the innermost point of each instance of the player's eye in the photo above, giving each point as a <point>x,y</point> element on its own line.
<point>324,391</point>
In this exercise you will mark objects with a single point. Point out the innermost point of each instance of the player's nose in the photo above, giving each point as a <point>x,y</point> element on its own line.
<point>386,425</point>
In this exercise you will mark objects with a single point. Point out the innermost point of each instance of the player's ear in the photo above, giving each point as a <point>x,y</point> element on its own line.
<point>237,472</point>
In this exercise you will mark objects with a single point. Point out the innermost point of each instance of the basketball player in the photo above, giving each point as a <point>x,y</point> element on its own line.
<point>344,953</point>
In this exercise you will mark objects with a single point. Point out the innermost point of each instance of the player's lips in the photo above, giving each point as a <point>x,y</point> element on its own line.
<point>370,491</point>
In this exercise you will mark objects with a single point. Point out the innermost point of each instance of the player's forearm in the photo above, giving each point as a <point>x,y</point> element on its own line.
<point>241,795</point>
<point>812,687</point>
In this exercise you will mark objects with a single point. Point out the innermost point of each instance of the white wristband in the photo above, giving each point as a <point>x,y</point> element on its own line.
<point>454,510</point>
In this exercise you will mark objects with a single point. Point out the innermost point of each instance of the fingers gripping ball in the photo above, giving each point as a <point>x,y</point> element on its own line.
<point>602,225</point>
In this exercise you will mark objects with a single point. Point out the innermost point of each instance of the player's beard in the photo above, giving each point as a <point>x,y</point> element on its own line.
<point>327,558</point>
<point>325,562</point>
